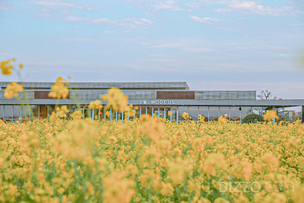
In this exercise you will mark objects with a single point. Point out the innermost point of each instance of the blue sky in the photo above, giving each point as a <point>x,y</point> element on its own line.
<point>222,45</point>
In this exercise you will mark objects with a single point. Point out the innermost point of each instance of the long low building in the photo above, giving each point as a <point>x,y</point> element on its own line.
<point>155,98</point>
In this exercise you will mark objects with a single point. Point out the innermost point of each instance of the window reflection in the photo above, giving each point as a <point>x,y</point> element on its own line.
<point>245,111</point>
<point>203,111</point>
<point>174,113</point>
<point>181,110</point>
<point>193,112</point>
<point>235,113</point>
<point>213,113</point>
<point>224,111</point>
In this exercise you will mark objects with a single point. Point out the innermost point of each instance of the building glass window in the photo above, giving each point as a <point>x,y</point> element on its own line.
<point>143,110</point>
<point>166,111</point>
<point>161,112</point>
<point>43,111</point>
<point>154,111</point>
<point>245,111</point>
<point>174,113</point>
<point>181,110</point>
<point>193,112</point>
<point>137,111</point>
<point>224,111</point>
<point>1,111</point>
<point>235,113</point>
<point>213,113</point>
<point>8,112</point>
<point>149,110</point>
<point>203,111</point>
<point>258,110</point>
<point>17,112</point>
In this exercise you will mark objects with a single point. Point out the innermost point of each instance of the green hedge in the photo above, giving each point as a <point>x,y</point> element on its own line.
<point>253,118</point>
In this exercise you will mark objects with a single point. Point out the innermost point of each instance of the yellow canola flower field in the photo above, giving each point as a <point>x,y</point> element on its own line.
<point>150,160</point>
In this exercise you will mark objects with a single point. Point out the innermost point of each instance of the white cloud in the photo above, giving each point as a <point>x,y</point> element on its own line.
<point>167,5</point>
<point>146,20</point>
<point>247,7</point>
<point>54,4</point>
<point>187,46</point>
<point>168,45</point>
<point>198,49</point>
<point>204,19</point>
<point>121,22</point>
<point>252,7</point>
<point>102,20</point>
<point>76,19</point>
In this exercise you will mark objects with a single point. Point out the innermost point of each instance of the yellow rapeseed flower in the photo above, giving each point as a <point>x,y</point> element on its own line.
<point>59,90</point>
<point>270,115</point>
<point>95,104</point>
<point>222,120</point>
<point>12,90</point>
<point>116,99</point>
<point>6,67</point>
<point>185,115</point>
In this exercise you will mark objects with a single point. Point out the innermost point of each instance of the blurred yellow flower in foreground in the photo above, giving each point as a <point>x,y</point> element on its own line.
<point>116,99</point>
<point>201,118</point>
<point>185,115</point>
<point>222,120</point>
<point>6,67</point>
<point>12,90</point>
<point>59,90</point>
<point>95,104</point>
<point>270,115</point>
<point>77,115</point>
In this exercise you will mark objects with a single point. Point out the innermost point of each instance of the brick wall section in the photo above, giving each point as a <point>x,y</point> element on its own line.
<point>175,95</point>
<point>44,95</point>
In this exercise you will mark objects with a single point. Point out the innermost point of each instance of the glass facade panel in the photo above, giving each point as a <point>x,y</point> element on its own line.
<point>173,113</point>
<point>143,110</point>
<point>119,116</point>
<point>149,110</point>
<point>193,112</point>
<point>87,112</point>
<point>43,111</point>
<point>166,112</point>
<point>35,109</point>
<point>224,111</point>
<point>132,115</point>
<point>17,112</point>
<point>137,111</point>
<point>161,113</point>
<point>112,116</point>
<point>235,113</point>
<point>181,110</point>
<point>1,111</point>
<point>245,111</point>
<point>8,112</point>
<point>258,110</point>
<point>203,111</point>
<point>213,113</point>
<point>156,111</point>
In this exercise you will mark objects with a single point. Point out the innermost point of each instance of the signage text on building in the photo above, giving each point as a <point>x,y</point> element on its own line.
<point>158,101</point>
